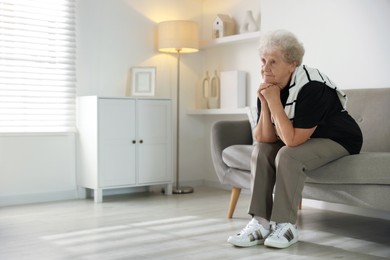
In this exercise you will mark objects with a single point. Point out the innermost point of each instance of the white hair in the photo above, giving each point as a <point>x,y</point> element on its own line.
<point>286,42</point>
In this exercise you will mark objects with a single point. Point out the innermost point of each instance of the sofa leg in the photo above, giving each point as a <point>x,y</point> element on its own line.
<point>300,204</point>
<point>233,201</point>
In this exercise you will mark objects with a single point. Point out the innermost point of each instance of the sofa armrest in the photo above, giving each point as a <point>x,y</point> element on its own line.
<point>225,134</point>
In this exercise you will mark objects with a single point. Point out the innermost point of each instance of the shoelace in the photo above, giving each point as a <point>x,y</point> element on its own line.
<point>276,229</point>
<point>248,227</point>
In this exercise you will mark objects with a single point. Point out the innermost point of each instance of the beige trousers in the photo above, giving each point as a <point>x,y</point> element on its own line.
<point>282,170</point>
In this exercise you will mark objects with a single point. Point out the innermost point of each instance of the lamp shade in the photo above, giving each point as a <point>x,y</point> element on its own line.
<point>174,36</point>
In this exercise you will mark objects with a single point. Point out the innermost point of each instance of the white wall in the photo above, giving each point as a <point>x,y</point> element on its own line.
<point>347,39</point>
<point>114,35</point>
<point>36,168</point>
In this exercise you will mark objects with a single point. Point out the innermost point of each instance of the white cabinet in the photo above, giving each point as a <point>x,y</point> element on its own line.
<point>123,142</point>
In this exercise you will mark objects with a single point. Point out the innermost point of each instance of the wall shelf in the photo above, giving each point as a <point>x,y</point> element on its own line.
<point>231,111</point>
<point>237,38</point>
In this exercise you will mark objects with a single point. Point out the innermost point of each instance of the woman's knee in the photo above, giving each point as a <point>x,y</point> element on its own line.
<point>263,151</point>
<point>286,159</point>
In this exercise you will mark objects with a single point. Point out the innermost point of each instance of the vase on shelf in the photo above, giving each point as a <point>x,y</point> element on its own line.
<point>204,91</point>
<point>214,92</point>
<point>249,24</point>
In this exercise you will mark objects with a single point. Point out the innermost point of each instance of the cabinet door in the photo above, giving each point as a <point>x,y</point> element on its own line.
<point>154,141</point>
<point>116,147</point>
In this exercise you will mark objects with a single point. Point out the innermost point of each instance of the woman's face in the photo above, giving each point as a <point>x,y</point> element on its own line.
<point>274,69</point>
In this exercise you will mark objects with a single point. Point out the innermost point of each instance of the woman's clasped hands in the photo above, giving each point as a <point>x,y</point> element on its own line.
<point>268,92</point>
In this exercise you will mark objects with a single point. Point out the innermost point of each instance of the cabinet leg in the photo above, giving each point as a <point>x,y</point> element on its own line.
<point>168,189</point>
<point>98,195</point>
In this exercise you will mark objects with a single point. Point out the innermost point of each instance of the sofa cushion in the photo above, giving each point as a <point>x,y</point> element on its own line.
<point>238,156</point>
<point>369,107</point>
<point>363,168</point>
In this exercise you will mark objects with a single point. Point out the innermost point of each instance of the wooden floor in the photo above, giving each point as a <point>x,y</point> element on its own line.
<point>191,226</point>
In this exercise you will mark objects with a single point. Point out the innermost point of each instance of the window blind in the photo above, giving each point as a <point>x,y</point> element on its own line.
<point>37,66</point>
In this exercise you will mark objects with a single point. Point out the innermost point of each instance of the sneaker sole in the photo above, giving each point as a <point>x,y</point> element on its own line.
<point>245,244</point>
<point>270,243</point>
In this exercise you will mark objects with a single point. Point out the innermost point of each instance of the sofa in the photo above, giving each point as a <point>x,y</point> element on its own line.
<point>361,180</point>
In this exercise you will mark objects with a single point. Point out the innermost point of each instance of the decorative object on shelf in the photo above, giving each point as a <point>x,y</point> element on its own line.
<point>214,92</point>
<point>178,37</point>
<point>249,24</point>
<point>205,89</point>
<point>143,81</point>
<point>233,89</point>
<point>223,26</point>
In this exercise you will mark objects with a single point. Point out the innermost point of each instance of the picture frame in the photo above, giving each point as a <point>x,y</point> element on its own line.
<point>143,80</point>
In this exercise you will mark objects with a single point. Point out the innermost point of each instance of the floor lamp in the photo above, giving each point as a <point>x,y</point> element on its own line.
<point>178,37</point>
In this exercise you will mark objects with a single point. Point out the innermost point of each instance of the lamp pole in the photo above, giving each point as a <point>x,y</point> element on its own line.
<point>178,189</point>
<point>178,36</point>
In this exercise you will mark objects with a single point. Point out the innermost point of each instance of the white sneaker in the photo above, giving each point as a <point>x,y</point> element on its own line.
<point>253,234</point>
<point>282,236</point>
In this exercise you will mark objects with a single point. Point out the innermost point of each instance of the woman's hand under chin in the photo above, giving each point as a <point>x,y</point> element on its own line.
<point>270,91</point>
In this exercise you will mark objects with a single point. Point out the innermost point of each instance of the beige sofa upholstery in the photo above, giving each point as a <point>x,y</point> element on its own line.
<point>358,180</point>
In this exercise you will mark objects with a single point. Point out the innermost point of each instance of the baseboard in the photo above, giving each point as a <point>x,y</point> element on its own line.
<point>20,199</point>
<point>194,184</point>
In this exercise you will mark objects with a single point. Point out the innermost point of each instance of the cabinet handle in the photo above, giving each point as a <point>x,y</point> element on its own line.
<point>141,141</point>
<point>133,142</point>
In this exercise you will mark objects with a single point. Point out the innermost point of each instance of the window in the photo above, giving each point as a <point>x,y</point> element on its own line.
<point>37,66</point>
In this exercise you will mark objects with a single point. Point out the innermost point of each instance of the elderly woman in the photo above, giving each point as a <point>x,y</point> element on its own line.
<point>302,125</point>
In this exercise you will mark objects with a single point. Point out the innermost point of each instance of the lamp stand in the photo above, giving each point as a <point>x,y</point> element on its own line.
<point>178,189</point>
